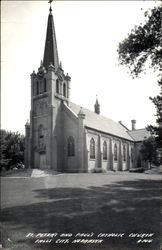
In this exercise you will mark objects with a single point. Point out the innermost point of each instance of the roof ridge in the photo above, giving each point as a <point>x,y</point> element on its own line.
<point>137,129</point>
<point>70,110</point>
<point>102,123</point>
<point>97,115</point>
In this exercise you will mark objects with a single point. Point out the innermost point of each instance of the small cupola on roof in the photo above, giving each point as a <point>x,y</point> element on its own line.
<point>97,107</point>
<point>50,51</point>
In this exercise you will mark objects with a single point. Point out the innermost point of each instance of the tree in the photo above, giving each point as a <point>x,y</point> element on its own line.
<point>144,44</point>
<point>157,131</point>
<point>149,151</point>
<point>12,148</point>
<point>3,160</point>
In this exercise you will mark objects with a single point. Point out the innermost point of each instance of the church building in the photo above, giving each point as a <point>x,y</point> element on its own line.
<point>65,137</point>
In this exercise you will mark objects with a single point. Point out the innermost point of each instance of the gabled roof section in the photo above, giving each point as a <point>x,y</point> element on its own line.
<point>101,123</point>
<point>139,134</point>
<point>50,51</point>
<point>69,109</point>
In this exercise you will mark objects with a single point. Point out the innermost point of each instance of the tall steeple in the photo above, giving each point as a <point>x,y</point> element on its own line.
<point>97,107</point>
<point>50,51</point>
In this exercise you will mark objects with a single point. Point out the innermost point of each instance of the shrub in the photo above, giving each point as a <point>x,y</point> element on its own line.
<point>137,170</point>
<point>98,170</point>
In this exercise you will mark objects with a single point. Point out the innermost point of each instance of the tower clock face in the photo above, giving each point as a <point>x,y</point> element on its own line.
<point>40,74</point>
<point>60,77</point>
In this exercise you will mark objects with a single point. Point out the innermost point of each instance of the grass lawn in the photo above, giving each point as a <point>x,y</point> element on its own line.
<point>122,203</point>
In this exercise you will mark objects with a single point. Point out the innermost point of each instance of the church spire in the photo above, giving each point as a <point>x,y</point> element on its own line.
<point>97,106</point>
<point>50,51</point>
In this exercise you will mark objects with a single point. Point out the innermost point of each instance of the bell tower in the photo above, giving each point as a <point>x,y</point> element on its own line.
<point>49,88</point>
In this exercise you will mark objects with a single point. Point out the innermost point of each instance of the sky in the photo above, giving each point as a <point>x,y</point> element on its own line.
<point>88,34</point>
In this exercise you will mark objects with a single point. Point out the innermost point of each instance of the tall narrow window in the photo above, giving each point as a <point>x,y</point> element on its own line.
<point>45,85</point>
<point>40,131</point>
<point>37,87</point>
<point>115,153</point>
<point>131,154</point>
<point>71,146</point>
<point>64,89</point>
<point>41,139</point>
<point>92,149</point>
<point>104,151</point>
<point>57,86</point>
<point>34,90</point>
<point>124,153</point>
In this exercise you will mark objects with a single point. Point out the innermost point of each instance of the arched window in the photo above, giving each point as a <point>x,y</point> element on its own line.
<point>104,150</point>
<point>57,86</point>
<point>115,153</point>
<point>34,90</point>
<point>41,86</point>
<point>71,146</point>
<point>37,88</point>
<point>64,89</point>
<point>45,85</point>
<point>92,149</point>
<point>124,153</point>
<point>40,131</point>
<point>41,139</point>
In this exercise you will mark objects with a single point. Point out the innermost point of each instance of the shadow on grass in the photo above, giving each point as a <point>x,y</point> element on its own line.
<point>121,207</point>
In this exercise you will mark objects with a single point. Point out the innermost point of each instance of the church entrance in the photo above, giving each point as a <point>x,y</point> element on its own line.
<point>42,161</point>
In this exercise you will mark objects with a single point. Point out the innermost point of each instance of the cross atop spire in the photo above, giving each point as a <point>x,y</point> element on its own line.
<point>50,9</point>
<point>50,51</point>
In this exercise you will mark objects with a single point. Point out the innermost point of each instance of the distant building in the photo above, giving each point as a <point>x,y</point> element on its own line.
<point>66,137</point>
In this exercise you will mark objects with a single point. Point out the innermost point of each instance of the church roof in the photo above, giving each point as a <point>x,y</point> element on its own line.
<point>101,123</point>
<point>139,134</point>
<point>50,51</point>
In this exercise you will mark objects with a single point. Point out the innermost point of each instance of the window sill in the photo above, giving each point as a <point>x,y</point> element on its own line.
<point>44,94</point>
<point>61,96</point>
